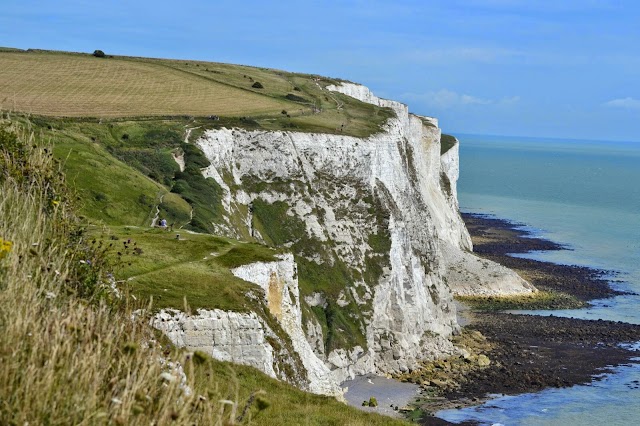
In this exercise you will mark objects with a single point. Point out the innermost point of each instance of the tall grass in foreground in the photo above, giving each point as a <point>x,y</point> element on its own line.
<point>66,359</point>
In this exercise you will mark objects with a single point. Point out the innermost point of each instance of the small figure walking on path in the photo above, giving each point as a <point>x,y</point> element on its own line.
<point>163,223</point>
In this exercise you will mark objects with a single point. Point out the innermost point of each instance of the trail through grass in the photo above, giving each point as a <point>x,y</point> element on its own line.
<point>174,266</point>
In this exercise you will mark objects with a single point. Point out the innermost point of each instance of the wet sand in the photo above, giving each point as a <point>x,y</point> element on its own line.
<point>392,395</point>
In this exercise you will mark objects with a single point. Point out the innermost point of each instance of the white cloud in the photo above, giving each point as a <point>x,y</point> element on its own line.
<point>445,99</point>
<point>471,100</point>
<point>628,103</point>
<point>509,100</point>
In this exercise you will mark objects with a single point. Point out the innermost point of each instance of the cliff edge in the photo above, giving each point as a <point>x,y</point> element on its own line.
<point>377,239</point>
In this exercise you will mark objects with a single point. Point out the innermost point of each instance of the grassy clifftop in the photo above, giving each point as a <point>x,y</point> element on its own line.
<point>63,84</point>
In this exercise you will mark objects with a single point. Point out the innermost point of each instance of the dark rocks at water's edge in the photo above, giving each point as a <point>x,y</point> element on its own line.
<point>532,353</point>
<point>495,239</point>
<point>515,239</point>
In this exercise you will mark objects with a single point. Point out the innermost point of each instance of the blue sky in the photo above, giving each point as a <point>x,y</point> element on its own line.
<point>558,68</point>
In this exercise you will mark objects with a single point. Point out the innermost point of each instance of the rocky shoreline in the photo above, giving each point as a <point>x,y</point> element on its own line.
<point>496,239</point>
<point>530,353</point>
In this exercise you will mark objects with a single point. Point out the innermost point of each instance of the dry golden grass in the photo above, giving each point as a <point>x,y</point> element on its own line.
<point>58,84</point>
<point>64,360</point>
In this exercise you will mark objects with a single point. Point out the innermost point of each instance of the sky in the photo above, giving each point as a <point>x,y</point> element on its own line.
<point>561,68</point>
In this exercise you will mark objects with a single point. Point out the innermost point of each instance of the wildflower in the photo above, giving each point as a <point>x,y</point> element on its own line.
<point>5,247</point>
<point>168,377</point>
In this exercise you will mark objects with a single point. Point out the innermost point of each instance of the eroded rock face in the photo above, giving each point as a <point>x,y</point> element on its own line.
<point>466,273</point>
<point>375,229</point>
<point>280,284</point>
<point>470,275</point>
<point>370,204</point>
<point>246,338</point>
<point>226,336</point>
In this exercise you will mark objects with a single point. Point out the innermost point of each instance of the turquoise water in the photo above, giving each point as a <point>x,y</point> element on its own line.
<point>583,194</point>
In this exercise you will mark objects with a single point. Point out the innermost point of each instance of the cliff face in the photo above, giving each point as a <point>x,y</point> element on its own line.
<point>370,211</point>
<point>375,230</point>
<point>248,338</point>
<point>226,336</point>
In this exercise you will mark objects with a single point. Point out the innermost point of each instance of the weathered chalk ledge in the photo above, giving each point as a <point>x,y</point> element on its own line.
<point>243,338</point>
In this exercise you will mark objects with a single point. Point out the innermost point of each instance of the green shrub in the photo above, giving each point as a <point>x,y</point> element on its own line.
<point>99,54</point>
<point>295,98</point>
<point>257,85</point>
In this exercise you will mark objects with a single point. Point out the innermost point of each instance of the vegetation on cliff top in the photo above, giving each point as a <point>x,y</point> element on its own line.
<point>62,84</point>
<point>179,266</point>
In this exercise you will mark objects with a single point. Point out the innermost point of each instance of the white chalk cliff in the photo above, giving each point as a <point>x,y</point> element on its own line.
<point>244,338</point>
<point>382,211</point>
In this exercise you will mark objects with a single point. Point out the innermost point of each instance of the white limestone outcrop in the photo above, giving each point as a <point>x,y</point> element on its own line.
<point>243,338</point>
<point>408,314</point>
<point>389,201</point>
<point>280,284</point>
<point>226,336</point>
<point>466,273</point>
<point>470,275</point>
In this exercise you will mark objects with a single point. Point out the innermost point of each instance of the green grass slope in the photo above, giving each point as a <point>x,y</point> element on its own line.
<point>111,191</point>
<point>288,405</point>
<point>195,268</point>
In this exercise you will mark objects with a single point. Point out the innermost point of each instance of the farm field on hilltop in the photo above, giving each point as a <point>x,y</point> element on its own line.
<point>62,84</point>
<point>82,85</point>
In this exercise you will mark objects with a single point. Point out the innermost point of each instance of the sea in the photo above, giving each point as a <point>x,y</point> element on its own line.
<point>585,195</point>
